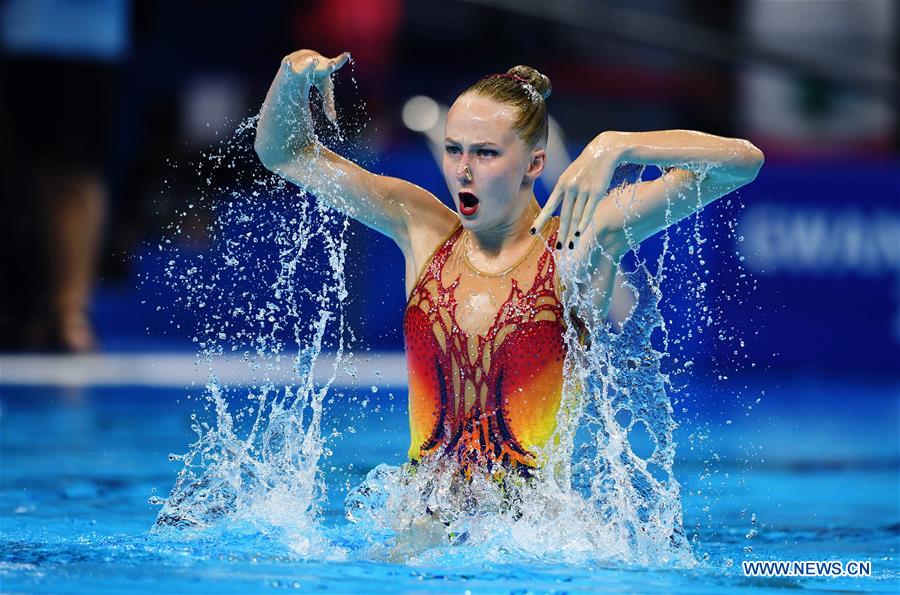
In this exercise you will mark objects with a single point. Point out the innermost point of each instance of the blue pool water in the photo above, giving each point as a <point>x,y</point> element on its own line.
<point>816,462</point>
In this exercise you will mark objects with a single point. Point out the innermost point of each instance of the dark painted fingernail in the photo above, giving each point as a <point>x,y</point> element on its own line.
<point>558,245</point>
<point>577,233</point>
<point>532,231</point>
<point>571,245</point>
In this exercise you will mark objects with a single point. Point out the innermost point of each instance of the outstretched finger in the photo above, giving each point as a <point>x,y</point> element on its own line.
<point>555,198</point>
<point>577,213</point>
<point>326,67</point>
<point>565,217</point>
<point>588,215</point>
<point>339,61</point>
<point>327,89</point>
<point>323,71</point>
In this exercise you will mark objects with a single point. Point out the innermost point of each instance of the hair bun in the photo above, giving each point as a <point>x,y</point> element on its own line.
<point>537,80</point>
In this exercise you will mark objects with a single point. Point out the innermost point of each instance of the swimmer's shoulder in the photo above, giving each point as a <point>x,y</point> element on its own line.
<point>424,240</point>
<point>425,219</point>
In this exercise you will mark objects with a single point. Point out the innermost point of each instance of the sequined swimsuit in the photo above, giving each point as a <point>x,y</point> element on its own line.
<point>485,356</point>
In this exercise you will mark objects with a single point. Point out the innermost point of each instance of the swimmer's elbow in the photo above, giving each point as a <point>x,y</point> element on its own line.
<point>265,157</point>
<point>612,243</point>
<point>264,151</point>
<point>276,160</point>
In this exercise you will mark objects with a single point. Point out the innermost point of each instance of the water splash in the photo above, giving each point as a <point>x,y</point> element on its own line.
<point>258,465</point>
<point>601,494</point>
<point>615,433</point>
<point>605,491</point>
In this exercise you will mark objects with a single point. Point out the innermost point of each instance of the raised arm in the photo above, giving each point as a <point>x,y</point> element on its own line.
<point>287,145</point>
<point>599,227</point>
<point>634,212</point>
<point>698,169</point>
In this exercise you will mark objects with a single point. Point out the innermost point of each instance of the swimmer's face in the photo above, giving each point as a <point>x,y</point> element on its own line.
<point>479,134</point>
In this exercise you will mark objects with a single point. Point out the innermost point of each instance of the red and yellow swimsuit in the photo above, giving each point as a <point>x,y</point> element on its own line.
<point>485,356</point>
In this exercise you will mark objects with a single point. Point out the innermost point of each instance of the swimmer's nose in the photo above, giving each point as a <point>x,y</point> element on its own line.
<point>464,173</point>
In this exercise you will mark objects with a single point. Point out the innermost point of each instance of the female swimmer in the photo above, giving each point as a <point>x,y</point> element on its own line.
<point>483,325</point>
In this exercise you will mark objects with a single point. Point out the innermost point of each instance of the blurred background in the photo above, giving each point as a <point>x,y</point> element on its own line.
<point>110,110</point>
<point>103,99</point>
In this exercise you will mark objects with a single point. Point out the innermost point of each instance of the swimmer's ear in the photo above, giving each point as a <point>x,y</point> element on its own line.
<point>536,165</point>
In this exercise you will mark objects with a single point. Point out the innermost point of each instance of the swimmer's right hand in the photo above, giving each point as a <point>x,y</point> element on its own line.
<point>317,70</point>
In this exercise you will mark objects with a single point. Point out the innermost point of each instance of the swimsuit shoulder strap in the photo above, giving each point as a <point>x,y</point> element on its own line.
<point>438,256</point>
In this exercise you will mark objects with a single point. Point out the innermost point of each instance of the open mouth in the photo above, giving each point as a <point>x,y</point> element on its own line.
<point>468,203</point>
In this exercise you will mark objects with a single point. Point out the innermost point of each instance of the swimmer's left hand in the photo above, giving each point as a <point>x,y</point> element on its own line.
<point>580,189</point>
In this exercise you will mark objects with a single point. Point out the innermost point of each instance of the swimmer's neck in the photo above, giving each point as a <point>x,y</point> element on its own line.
<point>492,241</point>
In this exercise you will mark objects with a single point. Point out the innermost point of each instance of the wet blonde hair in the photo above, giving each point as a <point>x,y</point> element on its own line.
<point>525,89</point>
